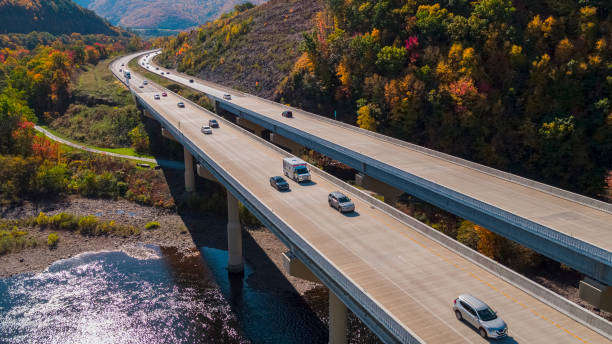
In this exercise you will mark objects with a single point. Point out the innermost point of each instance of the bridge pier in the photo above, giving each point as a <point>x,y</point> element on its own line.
<point>250,126</point>
<point>234,236</point>
<point>189,175</point>
<point>390,194</point>
<point>338,320</point>
<point>286,143</point>
<point>597,294</point>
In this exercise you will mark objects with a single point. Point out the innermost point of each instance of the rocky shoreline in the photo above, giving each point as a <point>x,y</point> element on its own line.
<point>186,232</point>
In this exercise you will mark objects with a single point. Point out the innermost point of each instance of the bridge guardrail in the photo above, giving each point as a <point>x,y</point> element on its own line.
<point>554,300</point>
<point>580,246</point>
<point>399,332</point>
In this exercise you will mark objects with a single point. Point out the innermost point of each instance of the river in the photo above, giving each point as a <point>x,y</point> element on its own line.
<point>150,294</point>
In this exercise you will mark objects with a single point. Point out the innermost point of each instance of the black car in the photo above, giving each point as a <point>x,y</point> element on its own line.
<point>279,183</point>
<point>213,123</point>
<point>190,80</point>
<point>287,114</point>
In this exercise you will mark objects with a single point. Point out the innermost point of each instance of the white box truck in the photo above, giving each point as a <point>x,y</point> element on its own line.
<point>296,169</point>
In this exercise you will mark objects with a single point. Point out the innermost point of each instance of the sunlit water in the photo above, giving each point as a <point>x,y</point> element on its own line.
<point>149,295</point>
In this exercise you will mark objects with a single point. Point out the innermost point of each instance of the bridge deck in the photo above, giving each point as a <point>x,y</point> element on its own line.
<point>413,277</point>
<point>588,224</point>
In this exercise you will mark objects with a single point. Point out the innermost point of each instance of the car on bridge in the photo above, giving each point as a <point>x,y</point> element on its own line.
<point>479,315</point>
<point>141,86</point>
<point>145,82</point>
<point>206,130</point>
<point>164,94</point>
<point>287,114</point>
<point>180,104</point>
<point>279,183</point>
<point>191,80</point>
<point>227,96</point>
<point>157,97</point>
<point>340,202</point>
<point>213,123</point>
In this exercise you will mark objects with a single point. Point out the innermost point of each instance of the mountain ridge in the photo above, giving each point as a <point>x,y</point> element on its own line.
<point>160,14</point>
<point>54,16</point>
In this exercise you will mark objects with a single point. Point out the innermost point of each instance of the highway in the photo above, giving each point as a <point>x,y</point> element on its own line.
<point>411,276</point>
<point>578,218</point>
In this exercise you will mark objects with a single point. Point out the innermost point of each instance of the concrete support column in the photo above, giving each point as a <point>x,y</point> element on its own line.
<point>390,194</point>
<point>286,143</point>
<point>234,236</point>
<point>597,294</point>
<point>189,175</point>
<point>338,320</point>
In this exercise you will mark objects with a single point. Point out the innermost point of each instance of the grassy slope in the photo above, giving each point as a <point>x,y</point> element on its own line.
<point>102,112</point>
<point>265,54</point>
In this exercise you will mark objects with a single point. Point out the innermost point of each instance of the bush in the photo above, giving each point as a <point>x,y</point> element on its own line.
<point>52,240</point>
<point>247,219</point>
<point>88,225</point>
<point>14,240</point>
<point>42,219</point>
<point>63,221</point>
<point>152,225</point>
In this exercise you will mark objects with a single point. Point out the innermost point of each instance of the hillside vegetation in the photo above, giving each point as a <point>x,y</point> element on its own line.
<point>251,50</point>
<point>53,16</point>
<point>160,14</point>
<point>523,86</point>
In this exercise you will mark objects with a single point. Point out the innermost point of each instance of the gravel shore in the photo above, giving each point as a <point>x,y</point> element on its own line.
<point>185,231</point>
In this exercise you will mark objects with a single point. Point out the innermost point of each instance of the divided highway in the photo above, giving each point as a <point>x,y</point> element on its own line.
<point>413,278</point>
<point>567,227</point>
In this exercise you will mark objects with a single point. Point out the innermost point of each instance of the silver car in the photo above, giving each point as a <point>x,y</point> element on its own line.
<point>479,315</point>
<point>340,202</point>
<point>206,130</point>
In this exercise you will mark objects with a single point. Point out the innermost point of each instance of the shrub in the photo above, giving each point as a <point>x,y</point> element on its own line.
<point>63,221</point>
<point>152,225</point>
<point>42,219</point>
<point>14,240</point>
<point>247,219</point>
<point>52,240</point>
<point>88,225</point>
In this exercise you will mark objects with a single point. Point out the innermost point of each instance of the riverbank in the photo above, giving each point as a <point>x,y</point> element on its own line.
<point>185,231</point>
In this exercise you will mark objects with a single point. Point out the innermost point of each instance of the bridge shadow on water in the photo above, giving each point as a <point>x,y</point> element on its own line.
<point>266,305</point>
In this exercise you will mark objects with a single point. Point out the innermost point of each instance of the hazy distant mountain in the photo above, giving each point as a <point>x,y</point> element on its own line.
<point>160,14</point>
<point>54,16</point>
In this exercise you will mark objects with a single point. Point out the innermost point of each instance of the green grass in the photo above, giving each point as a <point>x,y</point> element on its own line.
<point>124,150</point>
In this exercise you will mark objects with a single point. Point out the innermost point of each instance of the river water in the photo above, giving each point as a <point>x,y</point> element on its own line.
<point>149,294</point>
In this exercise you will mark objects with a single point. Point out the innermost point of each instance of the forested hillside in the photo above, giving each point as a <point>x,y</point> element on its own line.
<point>160,14</point>
<point>524,86</point>
<point>248,49</point>
<point>53,16</point>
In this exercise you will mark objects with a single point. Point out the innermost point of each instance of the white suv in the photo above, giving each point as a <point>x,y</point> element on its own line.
<point>479,315</point>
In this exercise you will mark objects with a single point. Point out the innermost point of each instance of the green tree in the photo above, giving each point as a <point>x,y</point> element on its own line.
<point>392,59</point>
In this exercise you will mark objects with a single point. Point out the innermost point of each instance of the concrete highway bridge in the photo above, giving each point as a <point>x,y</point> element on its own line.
<point>396,274</point>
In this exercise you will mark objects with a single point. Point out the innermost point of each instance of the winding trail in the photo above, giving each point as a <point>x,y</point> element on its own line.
<point>165,163</point>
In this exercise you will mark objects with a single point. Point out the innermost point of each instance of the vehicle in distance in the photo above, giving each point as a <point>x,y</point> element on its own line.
<point>479,315</point>
<point>127,74</point>
<point>156,97</point>
<point>162,73</point>
<point>279,183</point>
<point>287,114</point>
<point>190,80</point>
<point>156,68</point>
<point>213,123</point>
<point>123,64</point>
<point>206,130</point>
<point>145,82</point>
<point>340,202</point>
<point>227,96</point>
<point>141,86</point>
<point>164,94</point>
<point>296,169</point>
<point>180,104</point>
